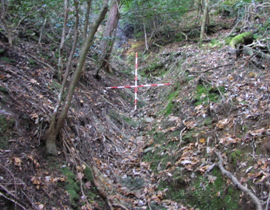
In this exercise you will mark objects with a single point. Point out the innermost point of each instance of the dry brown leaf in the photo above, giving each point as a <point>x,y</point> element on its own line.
<point>222,123</point>
<point>202,140</point>
<point>229,140</point>
<point>189,124</point>
<point>17,161</point>
<point>258,132</point>
<point>88,184</point>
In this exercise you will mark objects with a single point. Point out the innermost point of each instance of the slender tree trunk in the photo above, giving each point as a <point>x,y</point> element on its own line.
<point>63,39</point>
<point>57,123</point>
<point>204,20</point>
<point>109,37</point>
<point>145,36</point>
<point>86,23</point>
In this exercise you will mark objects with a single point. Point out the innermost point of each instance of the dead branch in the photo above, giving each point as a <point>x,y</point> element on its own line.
<point>267,203</point>
<point>236,182</point>
<point>180,137</point>
<point>249,51</point>
<point>10,199</point>
<point>40,61</point>
<point>119,205</point>
<point>217,67</point>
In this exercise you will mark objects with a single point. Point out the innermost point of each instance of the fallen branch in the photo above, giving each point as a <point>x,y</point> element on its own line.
<point>180,137</point>
<point>249,51</point>
<point>236,182</point>
<point>198,72</point>
<point>267,203</point>
<point>40,61</point>
<point>119,205</point>
<point>12,200</point>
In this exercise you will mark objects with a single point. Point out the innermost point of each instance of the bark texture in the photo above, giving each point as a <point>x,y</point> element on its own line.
<point>109,37</point>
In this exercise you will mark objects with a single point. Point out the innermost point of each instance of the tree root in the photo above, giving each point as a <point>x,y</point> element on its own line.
<point>236,182</point>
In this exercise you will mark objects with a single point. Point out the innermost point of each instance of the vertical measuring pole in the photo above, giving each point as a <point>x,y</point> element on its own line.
<point>136,78</point>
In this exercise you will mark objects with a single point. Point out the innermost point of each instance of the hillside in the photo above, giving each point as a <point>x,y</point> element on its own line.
<point>201,143</point>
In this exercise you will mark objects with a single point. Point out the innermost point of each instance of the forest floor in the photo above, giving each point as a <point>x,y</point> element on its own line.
<point>165,155</point>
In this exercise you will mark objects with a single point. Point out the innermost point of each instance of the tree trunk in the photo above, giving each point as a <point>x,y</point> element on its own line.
<point>145,36</point>
<point>63,39</point>
<point>109,37</point>
<point>86,21</point>
<point>204,20</point>
<point>5,24</point>
<point>57,123</point>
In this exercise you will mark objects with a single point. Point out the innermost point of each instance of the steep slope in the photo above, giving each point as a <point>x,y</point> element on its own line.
<point>217,105</point>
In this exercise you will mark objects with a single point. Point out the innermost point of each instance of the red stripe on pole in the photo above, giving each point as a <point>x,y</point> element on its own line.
<point>167,84</point>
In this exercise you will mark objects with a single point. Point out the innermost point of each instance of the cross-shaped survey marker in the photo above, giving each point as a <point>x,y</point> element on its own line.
<point>136,86</point>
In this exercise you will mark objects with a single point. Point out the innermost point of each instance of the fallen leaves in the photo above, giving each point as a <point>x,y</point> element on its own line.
<point>222,123</point>
<point>17,161</point>
<point>229,140</point>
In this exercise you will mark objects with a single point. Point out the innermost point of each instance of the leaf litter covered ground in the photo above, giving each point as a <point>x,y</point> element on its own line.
<point>160,157</point>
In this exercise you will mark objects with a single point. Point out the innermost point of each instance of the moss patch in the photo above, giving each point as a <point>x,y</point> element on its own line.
<point>203,194</point>
<point>206,93</point>
<point>214,195</point>
<point>169,108</point>
<point>72,186</point>
<point>241,39</point>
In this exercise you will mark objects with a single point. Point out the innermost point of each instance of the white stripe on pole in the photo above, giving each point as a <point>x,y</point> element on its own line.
<point>136,78</point>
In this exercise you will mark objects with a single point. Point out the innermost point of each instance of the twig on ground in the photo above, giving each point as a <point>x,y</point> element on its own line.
<point>180,137</point>
<point>236,182</point>
<point>40,61</point>
<point>119,205</point>
<point>149,205</point>
<point>198,72</point>
<point>267,203</point>
<point>109,102</point>
<point>10,199</point>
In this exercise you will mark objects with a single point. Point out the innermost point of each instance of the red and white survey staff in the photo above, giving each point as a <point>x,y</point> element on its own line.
<point>136,84</point>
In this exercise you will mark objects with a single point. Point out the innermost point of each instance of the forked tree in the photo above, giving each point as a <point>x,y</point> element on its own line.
<point>60,112</point>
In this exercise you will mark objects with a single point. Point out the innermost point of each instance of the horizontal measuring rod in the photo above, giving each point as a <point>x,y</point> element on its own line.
<point>133,86</point>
